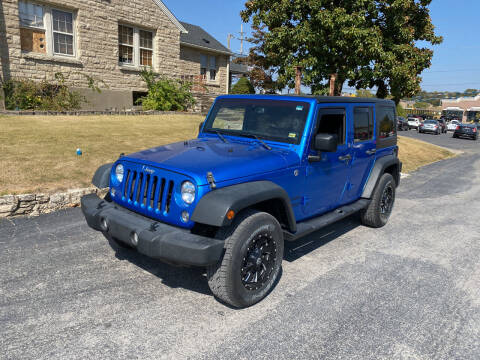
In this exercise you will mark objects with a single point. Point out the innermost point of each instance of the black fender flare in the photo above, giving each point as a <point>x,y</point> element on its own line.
<point>213,207</point>
<point>378,169</point>
<point>101,178</point>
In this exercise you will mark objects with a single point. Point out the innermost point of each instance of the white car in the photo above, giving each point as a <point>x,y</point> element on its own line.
<point>413,123</point>
<point>452,125</point>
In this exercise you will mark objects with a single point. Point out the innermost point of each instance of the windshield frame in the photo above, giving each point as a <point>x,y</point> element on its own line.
<point>209,129</point>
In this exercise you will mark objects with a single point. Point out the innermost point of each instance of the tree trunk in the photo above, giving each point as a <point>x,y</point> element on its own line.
<point>333,79</point>
<point>382,90</point>
<point>298,80</point>
<point>336,84</point>
<point>339,85</point>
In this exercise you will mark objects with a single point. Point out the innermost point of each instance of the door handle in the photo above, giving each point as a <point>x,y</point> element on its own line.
<point>347,158</point>
<point>371,152</point>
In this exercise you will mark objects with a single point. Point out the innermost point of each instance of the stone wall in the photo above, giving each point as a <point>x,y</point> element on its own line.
<point>37,204</point>
<point>96,40</point>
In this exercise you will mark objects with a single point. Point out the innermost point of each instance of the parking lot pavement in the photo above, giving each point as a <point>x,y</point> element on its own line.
<point>445,140</point>
<point>410,290</point>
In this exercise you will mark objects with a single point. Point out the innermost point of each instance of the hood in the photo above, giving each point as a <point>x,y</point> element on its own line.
<point>226,161</point>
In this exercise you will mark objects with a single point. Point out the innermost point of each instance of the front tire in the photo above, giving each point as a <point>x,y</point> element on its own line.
<point>252,260</point>
<point>380,208</point>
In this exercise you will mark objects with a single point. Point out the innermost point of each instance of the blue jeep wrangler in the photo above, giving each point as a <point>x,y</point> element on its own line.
<point>263,170</point>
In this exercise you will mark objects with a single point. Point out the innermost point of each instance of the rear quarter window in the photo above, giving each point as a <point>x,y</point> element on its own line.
<point>386,122</point>
<point>386,125</point>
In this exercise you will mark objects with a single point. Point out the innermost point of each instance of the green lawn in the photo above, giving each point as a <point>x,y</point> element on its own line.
<point>38,153</point>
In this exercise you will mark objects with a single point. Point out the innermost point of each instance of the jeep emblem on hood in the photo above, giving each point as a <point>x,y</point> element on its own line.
<point>148,170</point>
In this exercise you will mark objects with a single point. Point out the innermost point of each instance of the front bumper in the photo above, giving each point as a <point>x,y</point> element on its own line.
<point>156,240</point>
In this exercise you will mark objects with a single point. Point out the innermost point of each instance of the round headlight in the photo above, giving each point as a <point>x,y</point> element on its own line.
<point>188,192</point>
<point>119,172</point>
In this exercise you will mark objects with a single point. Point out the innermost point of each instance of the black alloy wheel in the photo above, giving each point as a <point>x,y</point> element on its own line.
<point>251,264</point>
<point>259,261</point>
<point>386,201</point>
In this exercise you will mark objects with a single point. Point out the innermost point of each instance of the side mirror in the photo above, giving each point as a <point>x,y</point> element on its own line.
<point>200,127</point>
<point>326,142</point>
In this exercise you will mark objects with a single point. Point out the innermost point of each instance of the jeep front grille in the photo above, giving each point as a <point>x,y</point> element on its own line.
<point>148,191</point>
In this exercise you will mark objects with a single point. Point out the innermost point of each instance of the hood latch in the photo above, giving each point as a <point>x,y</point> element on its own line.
<point>211,180</point>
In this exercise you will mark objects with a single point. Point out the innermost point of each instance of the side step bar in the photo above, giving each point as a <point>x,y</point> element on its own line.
<point>306,227</point>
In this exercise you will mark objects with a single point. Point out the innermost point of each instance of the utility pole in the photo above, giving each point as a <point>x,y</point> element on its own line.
<point>242,38</point>
<point>229,38</point>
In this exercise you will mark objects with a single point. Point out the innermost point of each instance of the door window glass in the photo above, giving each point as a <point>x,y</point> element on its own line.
<point>332,121</point>
<point>362,124</point>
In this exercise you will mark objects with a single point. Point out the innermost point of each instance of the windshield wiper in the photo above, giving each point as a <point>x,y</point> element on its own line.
<point>262,142</point>
<point>220,136</point>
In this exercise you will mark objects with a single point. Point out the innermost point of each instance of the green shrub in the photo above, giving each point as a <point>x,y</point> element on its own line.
<point>24,94</point>
<point>243,86</point>
<point>166,94</point>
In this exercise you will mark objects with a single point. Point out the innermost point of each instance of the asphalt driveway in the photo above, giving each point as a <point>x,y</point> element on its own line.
<point>410,290</point>
<point>445,140</point>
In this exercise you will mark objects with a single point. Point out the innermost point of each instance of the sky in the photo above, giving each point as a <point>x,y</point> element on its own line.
<point>455,65</point>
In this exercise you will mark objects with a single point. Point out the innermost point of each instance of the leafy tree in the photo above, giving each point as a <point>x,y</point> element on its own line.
<point>261,78</point>
<point>401,111</point>
<point>243,86</point>
<point>364,93</point>
<point>370,43</point>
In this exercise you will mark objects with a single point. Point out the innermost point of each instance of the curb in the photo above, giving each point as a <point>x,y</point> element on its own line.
<point>37,204</point>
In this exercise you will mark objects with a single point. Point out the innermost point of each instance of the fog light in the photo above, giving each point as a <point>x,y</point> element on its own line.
<point>103,224</point>
<point>134,238</point>
<point>185,216</point>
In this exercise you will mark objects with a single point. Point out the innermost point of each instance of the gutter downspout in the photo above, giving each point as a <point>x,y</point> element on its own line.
<point>228,75</point>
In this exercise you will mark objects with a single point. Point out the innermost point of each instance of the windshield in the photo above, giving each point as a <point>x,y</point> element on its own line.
<point>276,120</point>
<point>430,122</point>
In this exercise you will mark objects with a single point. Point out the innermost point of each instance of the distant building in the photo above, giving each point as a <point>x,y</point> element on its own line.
<point>465,108</point>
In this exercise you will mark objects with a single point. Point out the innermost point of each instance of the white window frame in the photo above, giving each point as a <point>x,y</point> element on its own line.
<point>209,68</point>
<point>140,48</point>
<point>212,68</point>
<point>137,47</point>
<point>48,28</point>
<point>128,45</point>
<point>74,44</point>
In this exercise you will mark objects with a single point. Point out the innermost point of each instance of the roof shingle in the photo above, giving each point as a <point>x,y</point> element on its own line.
<point>198,37</point>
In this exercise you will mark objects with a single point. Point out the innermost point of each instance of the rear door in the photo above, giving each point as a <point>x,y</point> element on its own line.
<point>363,150</point>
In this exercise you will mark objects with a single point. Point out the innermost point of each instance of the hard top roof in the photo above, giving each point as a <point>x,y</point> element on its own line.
<point>320,99</point>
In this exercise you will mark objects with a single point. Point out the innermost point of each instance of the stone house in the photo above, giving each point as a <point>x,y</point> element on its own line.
<point>111,41</point>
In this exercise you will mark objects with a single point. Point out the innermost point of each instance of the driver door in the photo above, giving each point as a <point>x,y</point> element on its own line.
<point>327,176</point>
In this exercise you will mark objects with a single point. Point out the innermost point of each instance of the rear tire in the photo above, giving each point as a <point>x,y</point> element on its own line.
<point>252,261</point>
<point>380,208</point>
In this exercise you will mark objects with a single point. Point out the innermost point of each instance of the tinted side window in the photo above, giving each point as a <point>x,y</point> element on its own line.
<point>362,124</point>
<point>332,121</point>
<point>386,122</point>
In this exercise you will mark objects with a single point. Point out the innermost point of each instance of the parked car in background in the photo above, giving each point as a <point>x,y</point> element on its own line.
<point>443,125</point>
<point>402,124</point>
<point>413,123</point>
<point>452,125</point>
<point>466,131</point>
<point>430,126</point>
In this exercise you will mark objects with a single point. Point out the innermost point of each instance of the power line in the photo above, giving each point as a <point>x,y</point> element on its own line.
<point>451,70</point>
